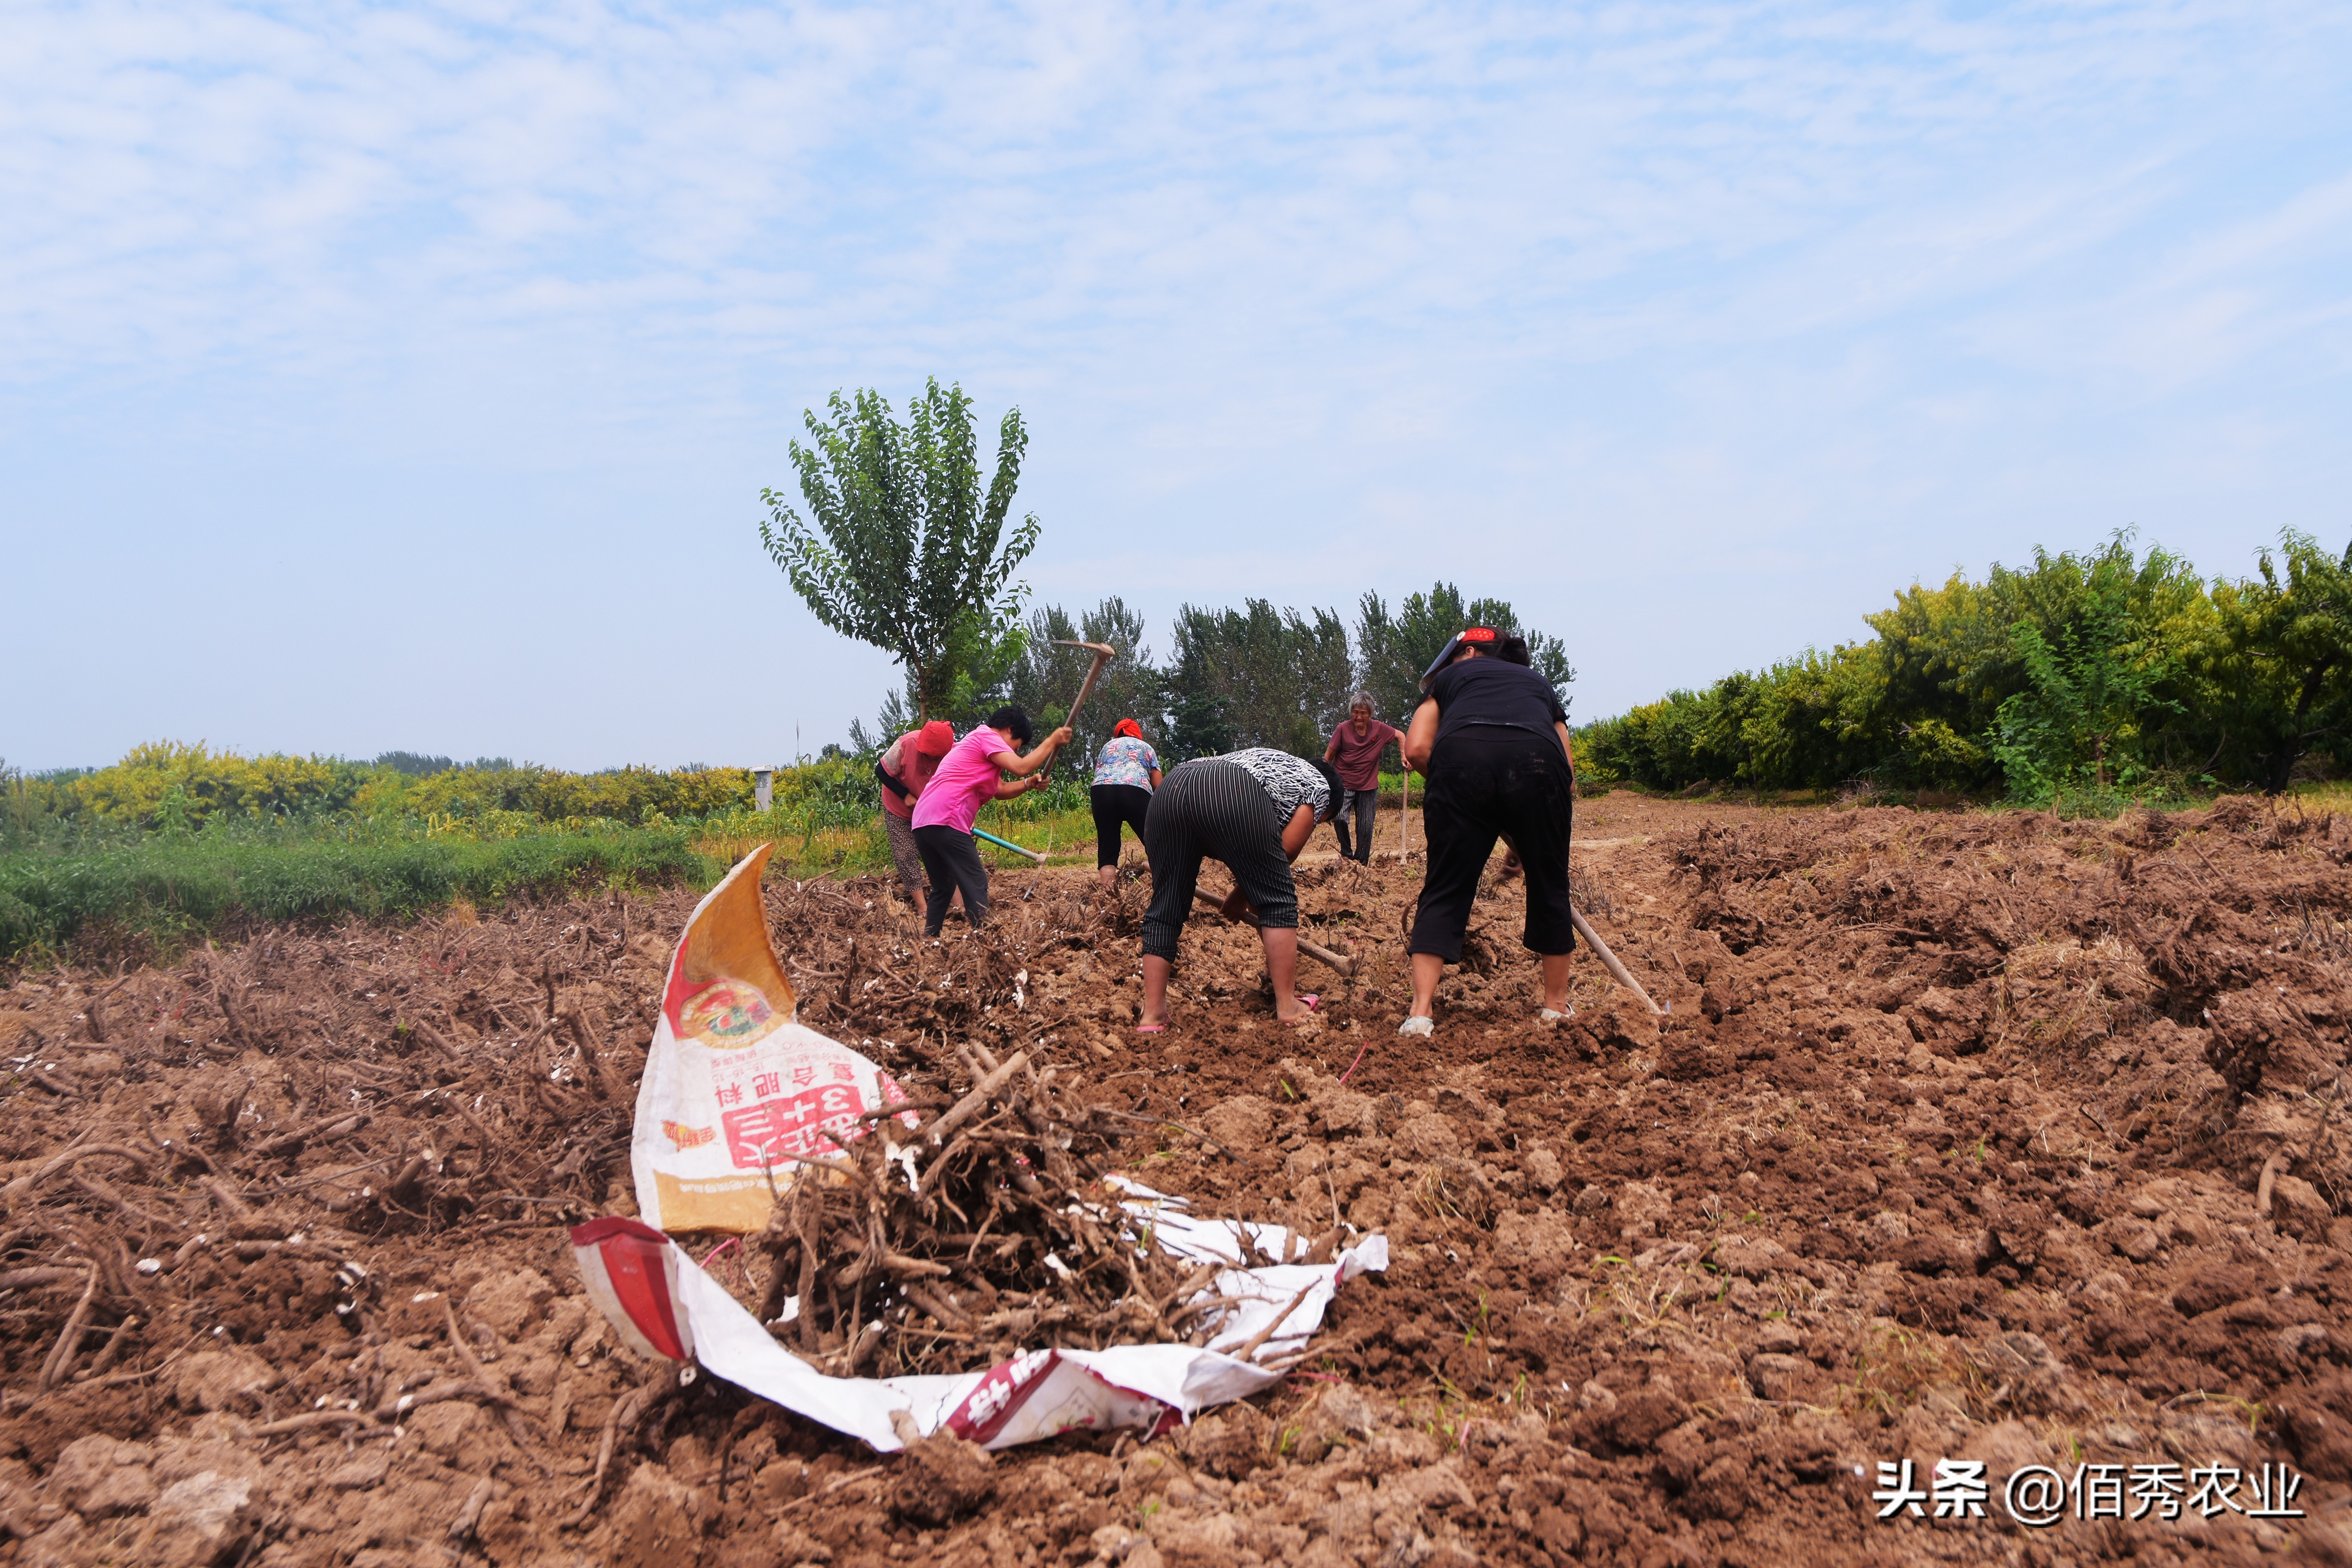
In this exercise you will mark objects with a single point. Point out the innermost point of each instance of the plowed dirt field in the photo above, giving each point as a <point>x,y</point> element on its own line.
<point>1968,1137</point>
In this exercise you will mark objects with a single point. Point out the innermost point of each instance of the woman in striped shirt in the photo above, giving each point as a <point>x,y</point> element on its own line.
<point>1255,810</point>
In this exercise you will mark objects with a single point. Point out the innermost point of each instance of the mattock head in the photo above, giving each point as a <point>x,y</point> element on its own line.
<point>1103,654</point>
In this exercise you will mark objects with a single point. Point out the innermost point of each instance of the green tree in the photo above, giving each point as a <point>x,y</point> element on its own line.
<point>415,765</point>
<point>1950,658</point>
<point>2278,678</point>
<point>19,807</point>
<point>906,551</point>
<point>2090,690</point>
<point>1258,677</point>
<point>1200,723</point>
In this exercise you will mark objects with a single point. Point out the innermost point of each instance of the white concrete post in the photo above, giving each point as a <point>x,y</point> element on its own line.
<point>763,786</point>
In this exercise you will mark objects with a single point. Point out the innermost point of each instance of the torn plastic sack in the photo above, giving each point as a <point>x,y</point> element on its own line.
<point>738,1097</point>
<point>663,1305</point>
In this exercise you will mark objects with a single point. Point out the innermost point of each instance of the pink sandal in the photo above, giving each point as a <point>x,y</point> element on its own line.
<point>1307,1006</point>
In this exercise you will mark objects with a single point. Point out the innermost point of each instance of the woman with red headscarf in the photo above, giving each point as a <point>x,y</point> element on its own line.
<point>1126,772</point>
<point>903,771</point>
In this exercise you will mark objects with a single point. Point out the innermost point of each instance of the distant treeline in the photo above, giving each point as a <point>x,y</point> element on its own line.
<point>174,792</point>
<point>2085,676</point>
<point>1255,676</point>
<point>167,784</point>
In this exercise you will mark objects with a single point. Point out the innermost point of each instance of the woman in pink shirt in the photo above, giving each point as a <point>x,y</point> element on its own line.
<point>966,778</point>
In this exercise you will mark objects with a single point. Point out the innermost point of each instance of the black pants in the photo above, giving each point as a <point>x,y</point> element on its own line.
<point>1484,784</point>
<point>951,861</point>
<point>1212,809</point>
<point>1116,805</point>
<point>1363,803</point>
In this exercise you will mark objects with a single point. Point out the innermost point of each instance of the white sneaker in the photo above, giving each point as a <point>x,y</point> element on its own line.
<point>1548,1015</point>
<point>1420,1028</point>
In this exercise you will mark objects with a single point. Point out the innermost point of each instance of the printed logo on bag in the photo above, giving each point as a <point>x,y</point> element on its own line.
<point>778,1105</point>
<point>724,1014</point>
<point>689,1137</point>
<point>1001,1393</point>
<point>780,1124</point>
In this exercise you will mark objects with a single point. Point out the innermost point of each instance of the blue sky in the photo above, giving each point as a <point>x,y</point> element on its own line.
<point>406,376</point>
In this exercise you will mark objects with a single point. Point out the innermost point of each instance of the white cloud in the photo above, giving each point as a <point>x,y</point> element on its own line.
<point>1856,285</point>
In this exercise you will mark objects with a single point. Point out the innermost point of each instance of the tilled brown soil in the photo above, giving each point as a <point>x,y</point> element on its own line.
<point>1952,1147</point>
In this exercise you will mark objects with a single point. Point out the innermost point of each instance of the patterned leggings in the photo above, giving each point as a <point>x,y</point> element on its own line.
<point>1211,809</point>
<point>904,858</point>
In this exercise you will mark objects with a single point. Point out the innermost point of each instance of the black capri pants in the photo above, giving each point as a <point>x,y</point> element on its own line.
<point>1488,782</point>
<point>1213,809</point>
<point>951,861</point>
<point>1116,805</point>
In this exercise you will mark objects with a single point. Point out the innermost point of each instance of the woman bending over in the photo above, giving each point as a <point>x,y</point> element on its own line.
<point>1492,739</point>
<point>967,777</point>
<point>1253,810</point>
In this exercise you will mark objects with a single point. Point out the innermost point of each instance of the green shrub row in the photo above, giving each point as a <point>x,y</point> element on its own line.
<point>2085,676</point>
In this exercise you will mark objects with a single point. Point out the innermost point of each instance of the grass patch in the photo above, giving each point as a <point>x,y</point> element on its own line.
<point>2323,795</point>
<point>167,891</point>
<point>807,848</point>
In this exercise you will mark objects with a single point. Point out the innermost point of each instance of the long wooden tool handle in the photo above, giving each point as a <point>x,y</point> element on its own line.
<point>1338,962</point>
<point>1584,928</point>
<point>1086,688</point>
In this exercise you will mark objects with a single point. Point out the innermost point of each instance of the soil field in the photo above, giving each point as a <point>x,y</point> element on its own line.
<point>1968,1137</point>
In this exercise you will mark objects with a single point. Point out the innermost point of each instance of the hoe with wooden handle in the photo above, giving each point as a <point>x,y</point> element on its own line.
<point>1104,653</point>
<point>1610,961</point>
<point>1338,962</point>
<point>1617,970</point>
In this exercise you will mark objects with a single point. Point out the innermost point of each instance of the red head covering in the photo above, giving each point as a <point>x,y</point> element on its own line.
<point>1483,638</point>
<point>936,739</point>
<point>1127,727</point>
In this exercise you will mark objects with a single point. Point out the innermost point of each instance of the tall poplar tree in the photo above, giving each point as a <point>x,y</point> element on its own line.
<point>901,548</point>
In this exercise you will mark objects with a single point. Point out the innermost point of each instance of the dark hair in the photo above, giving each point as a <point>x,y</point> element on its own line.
<point>1330,782</point>
<point>1014,719</point>
<point>1513,650</point>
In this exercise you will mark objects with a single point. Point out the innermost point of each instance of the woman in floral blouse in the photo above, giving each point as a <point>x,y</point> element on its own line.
<point>1126,772</point>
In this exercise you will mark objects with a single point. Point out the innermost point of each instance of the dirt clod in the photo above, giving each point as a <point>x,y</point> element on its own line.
<point>942,1476</point>
<point>1244,1123</point>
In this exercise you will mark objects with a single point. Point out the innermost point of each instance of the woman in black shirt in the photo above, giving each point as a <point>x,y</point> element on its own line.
<point>1492,739</point>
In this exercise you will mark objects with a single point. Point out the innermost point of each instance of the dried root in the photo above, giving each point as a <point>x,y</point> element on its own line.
<point>985,1229</point>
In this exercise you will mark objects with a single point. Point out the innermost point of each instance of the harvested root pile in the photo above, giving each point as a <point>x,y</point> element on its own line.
<point>989,1229</point>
